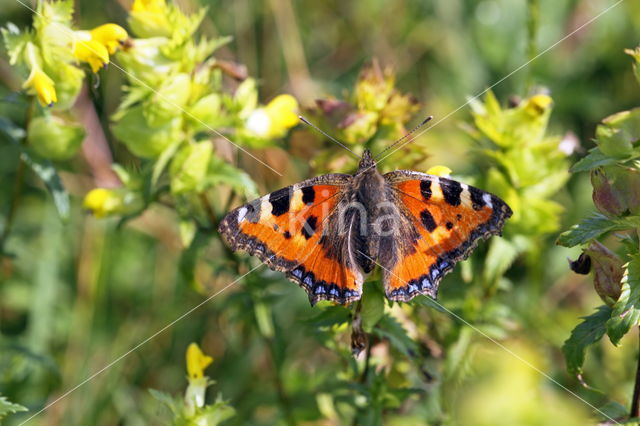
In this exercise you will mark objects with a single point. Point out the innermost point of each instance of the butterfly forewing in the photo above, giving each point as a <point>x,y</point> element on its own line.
<point>449,218</point>
<point>288,230</point>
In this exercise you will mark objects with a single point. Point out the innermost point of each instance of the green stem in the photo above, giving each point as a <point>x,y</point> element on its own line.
<point>533,24</point>
<point>635,401</point>
<point>17,189</point>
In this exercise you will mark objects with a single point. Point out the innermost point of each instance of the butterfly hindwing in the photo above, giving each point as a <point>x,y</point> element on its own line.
<point>290,230</point>
<point>443,221</point>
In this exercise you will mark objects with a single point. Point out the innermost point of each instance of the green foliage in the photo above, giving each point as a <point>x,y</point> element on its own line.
<point>615,177</point>
<point>182,143</point>
<point>7,407</point>
<point>588,332</point>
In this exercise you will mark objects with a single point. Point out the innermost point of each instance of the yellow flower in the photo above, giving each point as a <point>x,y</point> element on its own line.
<point>42,85</point>
<point>92,52</point>
<point>150,18</point>
<point>103,202</point>
<point>197,361</point>
<point>283,112</point>
<point>538,104</point>
<point>111,36</point>
<point>442,171</point>
<point>273,120</point>
<point>153,6</point>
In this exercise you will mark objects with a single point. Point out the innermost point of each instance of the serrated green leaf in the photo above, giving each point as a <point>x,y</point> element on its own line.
<point>47,172</point>
<point>15,41</point>
<point>626,310</point>
<point>594,159</point>
<point>588,332</point>
<point>216,413</point>
<point>173,404</point>
<point>389,328</point>
<point>7,407</point>
<point>589,229</point>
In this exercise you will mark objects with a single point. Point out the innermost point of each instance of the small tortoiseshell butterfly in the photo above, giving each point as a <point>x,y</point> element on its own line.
<point>326,233</point>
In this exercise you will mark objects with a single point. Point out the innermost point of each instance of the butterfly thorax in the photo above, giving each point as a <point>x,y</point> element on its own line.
<point>365,216</point>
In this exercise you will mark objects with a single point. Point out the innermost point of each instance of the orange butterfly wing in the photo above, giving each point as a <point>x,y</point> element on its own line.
<point>447,219</point>
<point>290,231</point>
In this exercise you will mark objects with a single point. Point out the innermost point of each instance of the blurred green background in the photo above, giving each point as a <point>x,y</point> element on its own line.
<point>75,296</point>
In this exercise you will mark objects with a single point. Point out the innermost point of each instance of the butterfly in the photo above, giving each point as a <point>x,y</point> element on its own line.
<point>328,232</point>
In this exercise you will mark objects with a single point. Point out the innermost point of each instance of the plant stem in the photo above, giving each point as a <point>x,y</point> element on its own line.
<point>17,191</point>
<point>533,24</point>
<point>635,402</point>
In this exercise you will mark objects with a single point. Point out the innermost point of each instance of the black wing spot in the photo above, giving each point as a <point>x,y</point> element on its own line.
<point>428,221</point>
<point>476,198</point>
<point>451,191</point>
<point>280,201</point>
<point>425,189</point>
<point>287,234</point>
<point>449,225</point>
<point>309,227</point>
<point>458,216</point>
<point>308,195</point>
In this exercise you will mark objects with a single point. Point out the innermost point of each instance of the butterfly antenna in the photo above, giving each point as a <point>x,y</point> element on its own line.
<point>409,133</point>
<point>305,121</point>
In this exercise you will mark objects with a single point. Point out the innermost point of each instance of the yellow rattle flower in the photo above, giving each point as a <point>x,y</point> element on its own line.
<point>92,52</point>
<point>273,120</point>
<point>40,84</point>
<point>442,171</point>
<point>197,361</point>
<point>111,36</point>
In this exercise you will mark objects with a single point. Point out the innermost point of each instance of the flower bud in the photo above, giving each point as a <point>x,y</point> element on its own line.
<point>605,198</point>
<point>143,139</point>
<point>618,132</point>
<point>41,85</point>
<point>149,18</point>
<point>635,53</point>
<point>374,87</point>
<point>53,138</point>
<point>616,190</point>
<point>103,202</point>
<point>607,272</point>
<point>169,100</point>
<point>359,127</point>
<point>190,166</point>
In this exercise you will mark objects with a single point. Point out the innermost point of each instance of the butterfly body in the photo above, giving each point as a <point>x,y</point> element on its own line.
<point>328,232</point>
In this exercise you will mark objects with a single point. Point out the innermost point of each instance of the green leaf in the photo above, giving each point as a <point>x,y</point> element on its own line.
<point>588,332</point>
<point>389,328</point>
<point>613,410</point>
<point>45,171</point>
<point>223,172</point>
<point>15,41</point>
<point>626,311</point>
<point>216,413</point>
<point>7,407</point>
<point>594,159</point>
<point>372,306</point>
<point>168,401</point>
<point>589,229</point>
<point>500,256</point>
<point>429,302</point>
<point>163,160</point>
